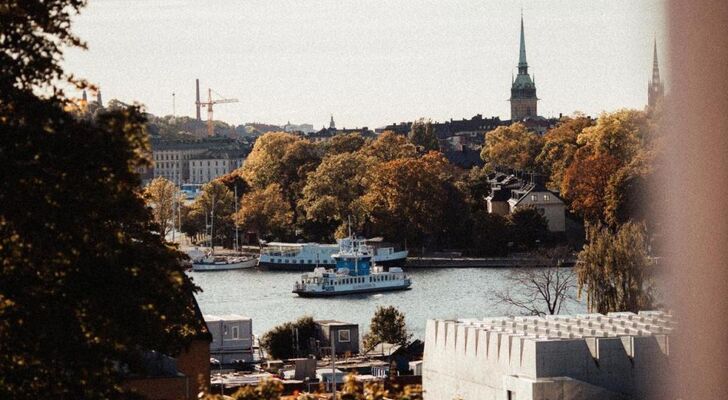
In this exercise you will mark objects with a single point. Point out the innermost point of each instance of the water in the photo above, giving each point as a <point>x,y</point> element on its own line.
<point>266,297</point>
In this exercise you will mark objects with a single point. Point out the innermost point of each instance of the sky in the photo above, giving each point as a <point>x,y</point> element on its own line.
<point>368,63</point>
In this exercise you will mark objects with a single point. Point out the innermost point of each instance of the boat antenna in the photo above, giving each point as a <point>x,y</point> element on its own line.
<point>350,227</point>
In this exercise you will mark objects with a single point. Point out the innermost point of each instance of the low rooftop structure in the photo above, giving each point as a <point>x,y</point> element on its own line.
<point>585,356</point>
<point>232,337</point>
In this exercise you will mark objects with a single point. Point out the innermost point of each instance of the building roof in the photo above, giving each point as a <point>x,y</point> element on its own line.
<point>226,317</point>
<point>580,326</point>
<point>220,154</point>
<point>333,322</point>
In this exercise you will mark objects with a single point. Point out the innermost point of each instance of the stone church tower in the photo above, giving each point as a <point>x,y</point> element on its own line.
<point>655,88</point>
<point>523,89</point>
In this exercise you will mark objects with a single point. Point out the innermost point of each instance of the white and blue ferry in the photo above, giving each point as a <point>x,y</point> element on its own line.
<point>354,273</point>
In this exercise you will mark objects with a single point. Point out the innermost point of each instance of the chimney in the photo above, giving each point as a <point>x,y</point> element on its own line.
<point>197,98</point>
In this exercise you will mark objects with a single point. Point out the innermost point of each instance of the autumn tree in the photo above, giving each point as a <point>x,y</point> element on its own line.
<point>620,135</point>
<point>283,159</point>
<point>265,212</point>
<point>628,192</point>
<point>586,183</point>
<point>347,143</point>
<point>387,326</point>
<point>389,146</point>
<point>214,207</point>
<point>407,197</point>
<point>615,269</point>
<point>333,192</point>
<point>559,147</point>
<point>542,290</point>
<point>511,146</point>
<point>163,197</point>
<point>422,135</point>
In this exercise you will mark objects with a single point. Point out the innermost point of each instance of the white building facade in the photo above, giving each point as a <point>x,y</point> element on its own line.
<point>587,356</point>
<point>232,337</point>
<point>212,164</point>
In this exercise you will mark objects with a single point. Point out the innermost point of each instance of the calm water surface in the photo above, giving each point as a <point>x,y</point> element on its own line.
<point>266,297</point>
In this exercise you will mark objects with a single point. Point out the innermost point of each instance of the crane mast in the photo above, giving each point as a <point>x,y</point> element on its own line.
<point>209,103</point>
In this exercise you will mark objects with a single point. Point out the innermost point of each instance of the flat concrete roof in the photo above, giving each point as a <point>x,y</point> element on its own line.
<point>226,317</point>
<point>565,327</point>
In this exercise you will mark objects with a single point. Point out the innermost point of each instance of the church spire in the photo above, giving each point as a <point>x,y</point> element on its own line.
<point>522,56</point>
<point>332,125</point>
<point>655,66</point>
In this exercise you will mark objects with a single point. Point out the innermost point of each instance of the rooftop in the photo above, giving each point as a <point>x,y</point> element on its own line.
<point>569,327</point>
<point>227,317</point>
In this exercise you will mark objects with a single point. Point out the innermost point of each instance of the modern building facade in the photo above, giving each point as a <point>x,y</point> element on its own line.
<point>586,356</point>
<point>524,102</point>
<point>232,337</point>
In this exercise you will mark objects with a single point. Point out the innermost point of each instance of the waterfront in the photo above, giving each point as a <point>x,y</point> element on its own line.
<point>266,297</point>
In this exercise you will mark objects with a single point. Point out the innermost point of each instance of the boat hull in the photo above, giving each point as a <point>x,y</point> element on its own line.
<point>200,267</point>
<point>303,293</point>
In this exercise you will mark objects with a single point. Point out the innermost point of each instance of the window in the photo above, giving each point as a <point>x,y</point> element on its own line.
<point>224,330</point>
<point>344,336</point>
<point>546,197</point>
<point>235,332</point>
<point>534,197</point>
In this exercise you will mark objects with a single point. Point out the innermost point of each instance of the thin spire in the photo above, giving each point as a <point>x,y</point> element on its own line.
<point>522,57</point>
<point>655,65</point>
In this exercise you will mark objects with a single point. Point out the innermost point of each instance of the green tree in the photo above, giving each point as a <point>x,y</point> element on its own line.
<point>280,342</point>
<point>423,135</point>
<point>333,192</point>
<point>163,197</point>
<point>512,146</point>
<point>615,269</point>
<point>214,207</point>
<point>86,280</point>
<point>389,146</point>
<point>388,325</point>
<point>265,212</point>
<point>527,227</point>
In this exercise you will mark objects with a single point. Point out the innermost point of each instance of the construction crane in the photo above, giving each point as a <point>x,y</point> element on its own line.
<point>209,104</point>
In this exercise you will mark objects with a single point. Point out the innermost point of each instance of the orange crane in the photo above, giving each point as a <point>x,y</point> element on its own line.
<point>209,104</point>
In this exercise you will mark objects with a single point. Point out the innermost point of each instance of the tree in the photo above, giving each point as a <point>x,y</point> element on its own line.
<point>559,147</point>
<point>265,212</point>
<point>621,135</point>
<point>615,269</point>
<point>389,146</point>
<point>423,136</point>
<point>348,143</point>
<point>332,192</point>
<point>586,182</point>
<point>511,146</point>
<point>628,192</point>
<point>387,326</point>
<point>163,197</point>
<point>407,197</point>
<point>291,339</point>
<point>214,207</point>
<point>543,290</point>
<point>86,280</point>
<point>489,233</point>
<point>527,227</point>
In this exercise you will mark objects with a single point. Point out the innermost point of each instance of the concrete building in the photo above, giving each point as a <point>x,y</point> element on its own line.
<point>586,356</point>
<point>232,337</point>
<point>211,164</point>
<point>172,157</point>
<point>345,335</point>
<point>524,102</point>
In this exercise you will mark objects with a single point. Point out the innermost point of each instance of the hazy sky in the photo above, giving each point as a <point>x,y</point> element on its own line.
<point>369,63</point>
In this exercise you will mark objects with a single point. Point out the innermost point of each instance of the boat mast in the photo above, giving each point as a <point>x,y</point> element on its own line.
<point>333,364</point>
<point>212,226</point>
<point>236,222</point>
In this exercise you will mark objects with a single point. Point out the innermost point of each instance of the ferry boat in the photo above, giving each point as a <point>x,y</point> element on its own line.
<point>353,274</point>
<point>307,256</point>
